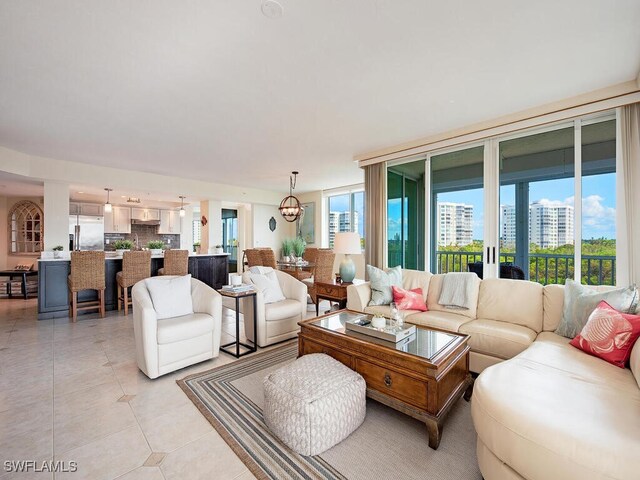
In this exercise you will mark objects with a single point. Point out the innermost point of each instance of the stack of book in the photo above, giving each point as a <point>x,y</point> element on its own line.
<point>237,288</point>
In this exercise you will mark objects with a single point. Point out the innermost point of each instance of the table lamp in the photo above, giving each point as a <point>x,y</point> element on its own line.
<point>347,243</point>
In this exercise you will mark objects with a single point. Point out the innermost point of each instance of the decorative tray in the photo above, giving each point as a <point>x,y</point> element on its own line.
<point>391,332</point>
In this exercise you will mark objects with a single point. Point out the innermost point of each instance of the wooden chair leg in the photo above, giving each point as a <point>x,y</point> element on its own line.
<point>101,295</point>
<point>126,301</point>
<point>119,297</point>
<point>74,306</point>
<point>70,304</point>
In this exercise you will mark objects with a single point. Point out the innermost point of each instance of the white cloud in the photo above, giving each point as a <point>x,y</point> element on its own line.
<point>597,215</point>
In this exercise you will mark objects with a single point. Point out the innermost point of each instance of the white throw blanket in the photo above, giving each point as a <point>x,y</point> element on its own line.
<point>457,290</point>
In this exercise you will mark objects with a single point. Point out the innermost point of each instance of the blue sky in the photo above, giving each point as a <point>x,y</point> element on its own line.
<point>340,203</point>
<point>598,204</point>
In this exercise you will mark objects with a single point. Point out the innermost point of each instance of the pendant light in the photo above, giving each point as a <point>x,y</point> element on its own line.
<point>182,212</point>
<point>290,207</point>
<point>107,206</point>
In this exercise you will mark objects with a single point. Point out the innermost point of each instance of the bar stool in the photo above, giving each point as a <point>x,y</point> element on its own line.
<point>176,262</point>
<point>136,266</point>
<point>268,257</point>
<point>87,273</point>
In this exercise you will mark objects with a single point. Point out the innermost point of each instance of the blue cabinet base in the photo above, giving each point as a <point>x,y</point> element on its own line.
<point>53,293</point>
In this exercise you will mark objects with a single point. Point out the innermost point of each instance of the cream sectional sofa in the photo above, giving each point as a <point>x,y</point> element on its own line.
<point>550,411</point>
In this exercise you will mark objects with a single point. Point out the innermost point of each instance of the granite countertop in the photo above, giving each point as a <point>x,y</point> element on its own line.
<point>116,256</point>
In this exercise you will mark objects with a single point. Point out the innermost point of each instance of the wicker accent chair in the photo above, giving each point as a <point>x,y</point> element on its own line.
<point>310,254</point>
<point>87,273</point>
<point>136,266</point>
<point>268,257</point>
<point>323,272</point>
<point>254,258</point>
<point>176,262</point>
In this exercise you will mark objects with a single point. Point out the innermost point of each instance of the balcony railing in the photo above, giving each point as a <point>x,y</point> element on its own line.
<point>544,268</point>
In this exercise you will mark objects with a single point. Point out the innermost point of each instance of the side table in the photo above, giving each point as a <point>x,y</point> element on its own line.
<point>228,347</point>
<point>334,292</point>
<point>23,274</point>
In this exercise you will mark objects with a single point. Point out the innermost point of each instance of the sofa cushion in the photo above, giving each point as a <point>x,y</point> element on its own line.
<point>609,335</point>
<point>416,279</point>
<point>381,282</point>
<point>267,283</point>
<point>551,337</point>
<point>513,301</point>
<point>176,329</point>
<point>280,310</point>
<point>443,320</point>
<point>385,311</point>
<point>554,412</point>
<point>553,300</point>
<point>435,287</point>
<point>500,339</point>
<point>580,301</point>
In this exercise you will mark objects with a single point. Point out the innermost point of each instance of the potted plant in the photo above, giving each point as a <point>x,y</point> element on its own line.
<point>156,247</point>
<point>298,247</point>
<point>219,249</point>
<point>196,247</point>
<point>287,248</point>
<point>122,245</point>
<point>57,251</point>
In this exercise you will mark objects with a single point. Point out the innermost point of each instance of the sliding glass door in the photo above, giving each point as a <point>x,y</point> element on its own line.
<point>539,205</point>
<point>457,210</point>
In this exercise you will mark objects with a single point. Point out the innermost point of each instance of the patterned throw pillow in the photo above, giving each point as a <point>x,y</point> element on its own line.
<point>409,299</point>
<point>580,301</point>
<point>381,283</point>
<point>609,335</point>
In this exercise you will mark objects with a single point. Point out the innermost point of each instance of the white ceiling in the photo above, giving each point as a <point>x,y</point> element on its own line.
<point>216,91</point>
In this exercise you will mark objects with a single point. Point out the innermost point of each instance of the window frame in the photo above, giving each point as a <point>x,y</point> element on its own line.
<point>31,208</point>
<point>351,192</point>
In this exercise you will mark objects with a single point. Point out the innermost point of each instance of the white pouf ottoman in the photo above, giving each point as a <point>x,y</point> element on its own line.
<point>314,403</point>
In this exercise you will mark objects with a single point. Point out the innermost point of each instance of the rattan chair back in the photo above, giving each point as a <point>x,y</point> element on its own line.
<point>268,258</point>
<point>136,266</point>
<point>323,271</point>
<point>87,271</point>
<point>176,262</point>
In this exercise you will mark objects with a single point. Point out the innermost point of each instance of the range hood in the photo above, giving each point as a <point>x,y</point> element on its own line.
<point>145,222</point>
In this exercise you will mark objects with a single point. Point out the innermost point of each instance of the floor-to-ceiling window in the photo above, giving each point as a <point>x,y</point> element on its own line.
<point>230,237</point>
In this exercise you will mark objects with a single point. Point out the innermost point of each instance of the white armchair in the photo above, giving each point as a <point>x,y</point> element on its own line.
<point>276,321</point>
<point>163,346</point>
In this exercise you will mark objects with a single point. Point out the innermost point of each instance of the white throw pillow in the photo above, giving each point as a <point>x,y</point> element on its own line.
<point>269,286</point>
<point>171,296</point>
<point>261,270</point>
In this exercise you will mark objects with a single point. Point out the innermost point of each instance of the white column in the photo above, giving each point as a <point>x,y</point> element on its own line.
<point>56,215</point>
<point>211,232</point>
<point>186,229</point>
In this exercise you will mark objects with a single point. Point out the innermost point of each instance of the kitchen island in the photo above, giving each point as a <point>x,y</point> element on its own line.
<point>53,293</point>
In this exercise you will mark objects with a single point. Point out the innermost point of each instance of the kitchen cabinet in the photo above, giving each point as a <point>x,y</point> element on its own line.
<point>92,209</point>
<point>118,220</point>
<point>169,222</point>
<point>145,214</point>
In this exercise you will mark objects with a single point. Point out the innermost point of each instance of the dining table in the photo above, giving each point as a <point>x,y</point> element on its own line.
<point>298,270</point>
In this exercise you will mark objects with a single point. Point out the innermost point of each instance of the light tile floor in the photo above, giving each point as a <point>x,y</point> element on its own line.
<point>73,392</point>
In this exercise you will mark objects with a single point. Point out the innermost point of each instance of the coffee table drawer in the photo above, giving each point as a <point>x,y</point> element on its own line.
<point>393,383</point>
<point>313,347</point>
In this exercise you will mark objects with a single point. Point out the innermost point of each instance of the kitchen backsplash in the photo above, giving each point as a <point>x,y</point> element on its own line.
<point>146,233</point>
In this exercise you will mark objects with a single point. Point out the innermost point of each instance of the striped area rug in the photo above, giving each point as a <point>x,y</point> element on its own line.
<point>231,398</point>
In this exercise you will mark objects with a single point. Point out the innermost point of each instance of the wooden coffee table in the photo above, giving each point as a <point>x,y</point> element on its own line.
<point>422,378</point>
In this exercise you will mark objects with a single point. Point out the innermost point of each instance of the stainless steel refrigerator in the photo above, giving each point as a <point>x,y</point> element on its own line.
<point>86,232</point>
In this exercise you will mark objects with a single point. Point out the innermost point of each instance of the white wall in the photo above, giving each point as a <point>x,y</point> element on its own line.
<point>262,236</point>
<point>56,215</point>
<point>211,233</point>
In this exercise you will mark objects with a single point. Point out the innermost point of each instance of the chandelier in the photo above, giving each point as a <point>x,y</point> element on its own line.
<point>290,207</point>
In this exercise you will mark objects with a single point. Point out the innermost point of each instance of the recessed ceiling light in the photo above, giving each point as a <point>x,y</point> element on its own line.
<point>271,9</point>
<point>123,196</point>
<point>79,192</point>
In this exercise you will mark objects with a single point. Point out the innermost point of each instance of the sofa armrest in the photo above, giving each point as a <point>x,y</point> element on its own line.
<point>206,300</point>
<point>358,296</point>
<point>292,288</point>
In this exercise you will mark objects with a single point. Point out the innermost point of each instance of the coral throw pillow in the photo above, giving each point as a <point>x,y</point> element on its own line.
<point>409,299</point>
<point>609,334</point>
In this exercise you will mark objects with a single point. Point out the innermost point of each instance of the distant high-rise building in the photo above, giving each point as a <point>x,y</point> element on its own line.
<point>550,225</point>
<point>341,222</point>
<point>455,224</point>
<point>508,226</point>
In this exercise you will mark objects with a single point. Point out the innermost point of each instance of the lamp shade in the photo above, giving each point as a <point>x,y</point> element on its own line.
<point>347,243</point>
